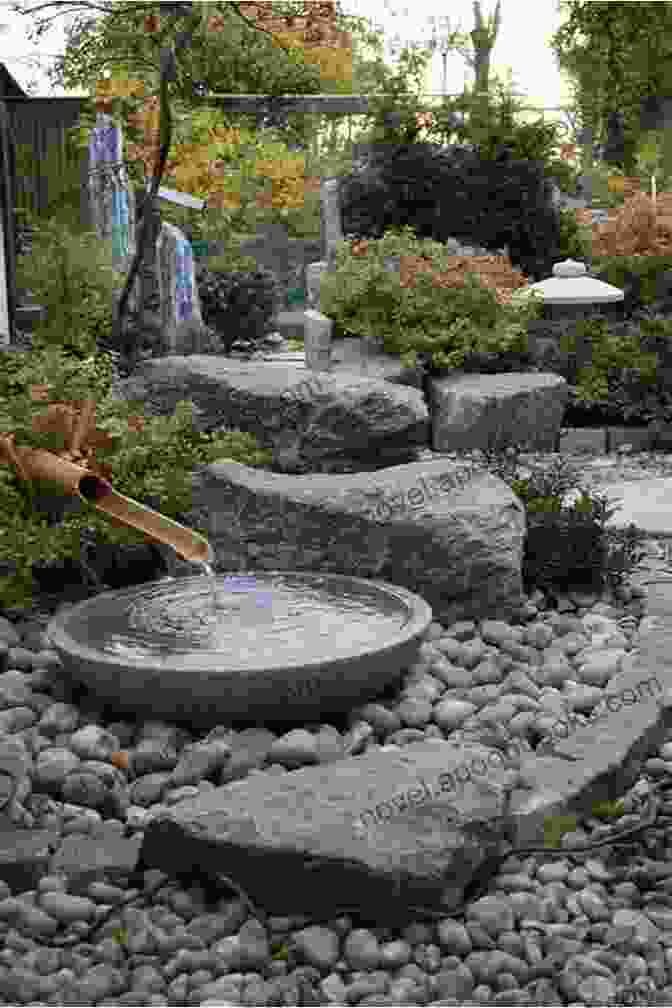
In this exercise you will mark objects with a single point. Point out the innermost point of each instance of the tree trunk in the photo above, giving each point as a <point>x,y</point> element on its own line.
<point>484,37</point>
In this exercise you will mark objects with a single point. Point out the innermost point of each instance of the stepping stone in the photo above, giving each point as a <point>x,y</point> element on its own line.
<point>382,834</point>
<point>647,503</point>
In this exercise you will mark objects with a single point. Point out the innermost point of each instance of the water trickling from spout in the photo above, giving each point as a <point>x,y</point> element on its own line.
<point>209,573</point>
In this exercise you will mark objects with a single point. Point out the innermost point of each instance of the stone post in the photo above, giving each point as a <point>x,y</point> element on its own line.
<point>332,228</point>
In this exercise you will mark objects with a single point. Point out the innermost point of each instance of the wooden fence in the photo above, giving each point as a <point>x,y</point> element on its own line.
<point>43,164</point>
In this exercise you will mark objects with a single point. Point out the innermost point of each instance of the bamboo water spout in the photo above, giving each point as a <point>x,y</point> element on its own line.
<point>80,481</point>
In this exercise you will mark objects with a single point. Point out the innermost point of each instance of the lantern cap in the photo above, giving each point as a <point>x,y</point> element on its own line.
<point>571,285</point>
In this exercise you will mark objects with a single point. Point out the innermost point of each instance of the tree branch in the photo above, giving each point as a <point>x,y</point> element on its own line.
<point>148,204</point>
<point>265,31</point>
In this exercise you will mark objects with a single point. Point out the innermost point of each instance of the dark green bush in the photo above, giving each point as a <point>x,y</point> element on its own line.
<point>237,306</point>
<point>567,546</point>
<point>637,276</point>
<point>452,192</point>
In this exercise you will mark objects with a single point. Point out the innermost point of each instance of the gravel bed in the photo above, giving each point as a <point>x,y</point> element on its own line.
<point>577,930</point>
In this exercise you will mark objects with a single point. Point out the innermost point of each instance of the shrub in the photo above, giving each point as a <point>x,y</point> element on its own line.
<point>72,276</point>
<point>575,241</point>
<point>566,545</point>
<point>419,320</point>
<point>149,460</point>
<point>637,276</point>
<point>625,374</point>
<point>489,122</point>
<point>238,306</point>
<point>452,192</point>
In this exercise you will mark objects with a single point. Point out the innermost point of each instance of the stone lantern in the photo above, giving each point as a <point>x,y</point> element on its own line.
<point>571,294</point>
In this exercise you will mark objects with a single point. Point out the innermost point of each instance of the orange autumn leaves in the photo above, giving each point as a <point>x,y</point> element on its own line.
<point>76,422</point>
<point>637,228</point>
<point>315,33</point>
<point>199,168</point>
<point>494,272</point>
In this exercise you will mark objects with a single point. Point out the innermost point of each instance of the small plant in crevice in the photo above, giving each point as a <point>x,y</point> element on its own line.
<point>567,545</point>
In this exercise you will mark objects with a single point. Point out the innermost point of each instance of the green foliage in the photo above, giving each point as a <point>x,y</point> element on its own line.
<point>567,544</point>
<point>231,261</point>
<point>152,466</point>
<point>392,118</point>
<point>488,120</point>
<point>237,305</point>
<point>615,59</point>
<point>238,59</point>
<point>615,350</point>
<point>618,271</point>
<point>366,299</point>
<point>609,809</point>
<point>575,240</point>
<point>555,828</point>
<point>73,277</point>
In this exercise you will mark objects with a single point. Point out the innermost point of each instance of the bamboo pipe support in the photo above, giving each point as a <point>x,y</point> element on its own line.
<point>77,481</point>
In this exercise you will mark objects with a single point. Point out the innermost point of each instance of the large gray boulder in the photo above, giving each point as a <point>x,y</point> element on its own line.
<point>474,411</point>
<point>394,830</point>
<point>312,422</point>
<point>450,532</point>
<point>384,833</point>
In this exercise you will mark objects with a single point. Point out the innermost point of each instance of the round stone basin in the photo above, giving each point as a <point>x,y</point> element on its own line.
<point>276,647</point>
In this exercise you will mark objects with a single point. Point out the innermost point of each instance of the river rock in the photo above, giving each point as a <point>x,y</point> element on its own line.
<point>451,533</point>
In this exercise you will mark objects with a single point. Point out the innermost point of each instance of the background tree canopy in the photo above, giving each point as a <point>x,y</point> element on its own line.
<point>617,54</point>
<point>239,57</point>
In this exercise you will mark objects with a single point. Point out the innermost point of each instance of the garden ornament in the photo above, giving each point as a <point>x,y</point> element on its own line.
<point>77,474</point>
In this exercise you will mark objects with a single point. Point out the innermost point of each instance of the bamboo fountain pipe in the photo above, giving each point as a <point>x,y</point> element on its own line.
<point>76,481</point>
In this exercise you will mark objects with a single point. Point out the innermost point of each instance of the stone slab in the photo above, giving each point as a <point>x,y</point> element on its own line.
<point>601,760</point>
<point>647,503</point>
<point>590,441</point>
<point>352,356</point>
<point>639,437</point>
<point>25,855</point>
<point>396,829</point>
<point>379,833</point>
<point>87,858</point>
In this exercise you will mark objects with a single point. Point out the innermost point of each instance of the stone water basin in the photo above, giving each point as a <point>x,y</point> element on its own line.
<point>281,647</point>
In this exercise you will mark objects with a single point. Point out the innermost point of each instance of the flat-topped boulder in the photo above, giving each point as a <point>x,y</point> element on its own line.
<point>399,830</point>
<point>472,411</point>
<point>313,422</point>
<point>382,832</point>
<point>450,532</point>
